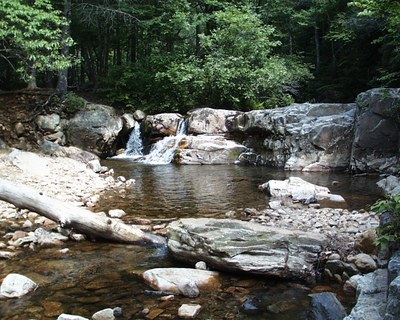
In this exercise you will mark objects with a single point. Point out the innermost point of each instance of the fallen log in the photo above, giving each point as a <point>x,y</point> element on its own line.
<point>71,217</point>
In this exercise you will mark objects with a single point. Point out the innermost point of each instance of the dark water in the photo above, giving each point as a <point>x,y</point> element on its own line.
<point>97,275</point>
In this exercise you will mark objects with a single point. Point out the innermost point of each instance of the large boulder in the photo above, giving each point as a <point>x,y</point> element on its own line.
<point>376,144</point>
<point>307,137</point>
<point>211,121</point>
<point>95,129</point>
<point>299,190</point>
<point>325,306</point>
<point>162,124</point>
<point>206,149</point>
<point>236,245</point>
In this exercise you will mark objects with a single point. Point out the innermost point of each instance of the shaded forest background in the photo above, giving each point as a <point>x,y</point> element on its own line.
<point>175,55</point>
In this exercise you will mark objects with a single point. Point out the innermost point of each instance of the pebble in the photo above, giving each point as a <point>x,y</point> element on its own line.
<point>189,311</point>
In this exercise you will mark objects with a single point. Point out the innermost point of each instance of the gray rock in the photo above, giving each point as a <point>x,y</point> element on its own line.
<point>210,121</point>
<point>94,165</point>
<point>394,266</point>
<point>128,122</point>
<point>325,306</point>
<point>376,142</point>
<point>116,213</point>
<point>236,245</point>
<point>189,311</point>
<point>19,129</point>
<point>49,122</point>
<point>205,149</point>
<point>371,296</point>
<point>16,285</point>
<point>162,124</point>
<point>390,185</point>
<point>105,314</point>
<point>65,316</point>
<point>393,302</point>
<point>188,282</point>
<point>139,115</point>
<point>363,262</point>
<point>308,137</point>
<point>95,129</point>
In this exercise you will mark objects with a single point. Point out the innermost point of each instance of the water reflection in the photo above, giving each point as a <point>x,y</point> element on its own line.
<point>96,275</point>
<point>170,190</point>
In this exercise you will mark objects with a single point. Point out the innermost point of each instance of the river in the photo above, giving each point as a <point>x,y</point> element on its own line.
<point>96,275</point>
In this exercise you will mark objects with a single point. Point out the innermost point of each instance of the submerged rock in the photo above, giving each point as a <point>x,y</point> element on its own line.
<point>236,245</point>
<point>325,306</point>
<point>65,316</point>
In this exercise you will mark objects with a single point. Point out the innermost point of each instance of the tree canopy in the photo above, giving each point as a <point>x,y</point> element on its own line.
<point>175,55</point>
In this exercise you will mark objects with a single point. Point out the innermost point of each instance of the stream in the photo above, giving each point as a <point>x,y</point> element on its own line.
<point>95,275</point>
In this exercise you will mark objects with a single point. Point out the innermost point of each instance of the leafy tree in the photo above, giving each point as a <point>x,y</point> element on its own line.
<point>388,13</point>
<point>239,67</point>
<point>30,38</point>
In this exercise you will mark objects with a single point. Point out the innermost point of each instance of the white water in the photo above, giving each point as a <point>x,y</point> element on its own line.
<point>134,147</point>
<point>162,152</point>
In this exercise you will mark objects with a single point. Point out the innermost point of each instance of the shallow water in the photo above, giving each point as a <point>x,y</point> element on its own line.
<point>97,275</point>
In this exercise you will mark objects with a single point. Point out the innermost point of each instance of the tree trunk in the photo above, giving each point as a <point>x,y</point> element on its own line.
<point>32,85</point>
<point>62,84</point>
<point>68,216</point>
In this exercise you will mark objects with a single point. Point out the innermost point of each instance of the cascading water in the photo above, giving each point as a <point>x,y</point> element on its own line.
<point>162,152</point>
<point>134,146</point>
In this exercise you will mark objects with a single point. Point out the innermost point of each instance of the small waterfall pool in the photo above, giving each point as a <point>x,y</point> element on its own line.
<point>95,275</point>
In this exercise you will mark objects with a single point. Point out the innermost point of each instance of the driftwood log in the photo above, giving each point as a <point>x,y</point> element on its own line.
<point>69,216</point>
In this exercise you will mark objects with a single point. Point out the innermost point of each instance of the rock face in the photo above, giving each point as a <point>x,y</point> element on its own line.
<point>206,149</point>
<point>95,129</point>
<point>307,137</point>
<point>16,285</point>
<point>211,121</point>
<point>188,282</point>
<point>236,245</point>
<point>376,143</point>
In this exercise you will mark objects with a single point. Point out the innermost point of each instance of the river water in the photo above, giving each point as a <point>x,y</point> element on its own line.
<point>96,275</point>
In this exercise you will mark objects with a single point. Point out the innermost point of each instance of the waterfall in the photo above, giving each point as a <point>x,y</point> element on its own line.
<point>134,147</point>
<point>163,151</point>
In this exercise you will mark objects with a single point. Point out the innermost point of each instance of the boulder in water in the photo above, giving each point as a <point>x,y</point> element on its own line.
<point>16,285</point>
<point>211,121</point>
<point>236,245</point>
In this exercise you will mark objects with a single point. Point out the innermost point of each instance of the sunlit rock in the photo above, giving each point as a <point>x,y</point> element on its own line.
<point>16,285</point>
<point>205,149</point>
<point>189,311</point>
<point>236,245</point>
<point>210,121</point>
<point>189,282</point>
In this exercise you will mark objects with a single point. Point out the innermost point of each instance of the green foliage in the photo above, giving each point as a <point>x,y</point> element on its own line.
<point>30,35</point>
<point>389,233</point>
<point>73,103</point>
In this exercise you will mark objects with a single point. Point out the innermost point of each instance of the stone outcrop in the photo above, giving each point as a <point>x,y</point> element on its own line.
<point>307,137</point>
<point>211,121</point>
<point>390,185</point>
<point>236,245</point>
<point>204,149</point>
<point>376,142</point>
<point>95,129</point>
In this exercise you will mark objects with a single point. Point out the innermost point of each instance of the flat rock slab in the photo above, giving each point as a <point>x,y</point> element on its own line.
<point>188,282</point>
<point>236,245</point>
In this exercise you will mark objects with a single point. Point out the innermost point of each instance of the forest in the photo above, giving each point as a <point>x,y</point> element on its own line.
<point>176,55</point>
